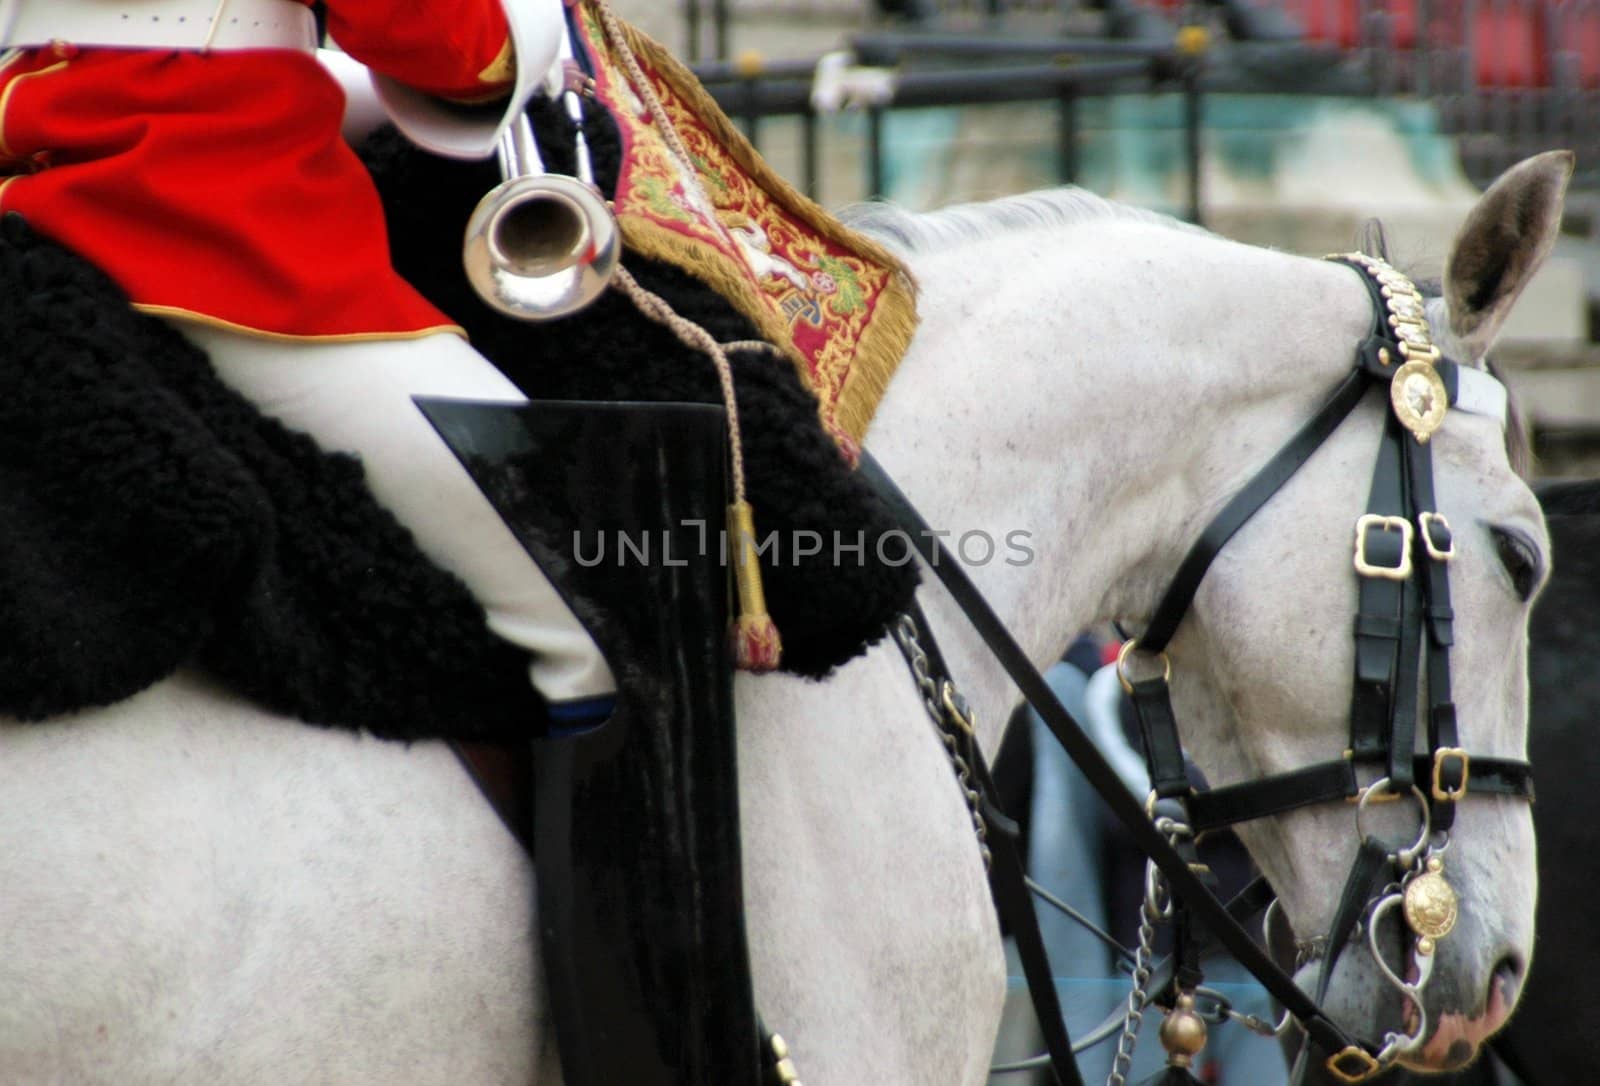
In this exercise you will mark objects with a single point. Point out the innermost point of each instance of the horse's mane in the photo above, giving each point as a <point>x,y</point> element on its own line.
<point>911,231</point>
<point>960,224</point>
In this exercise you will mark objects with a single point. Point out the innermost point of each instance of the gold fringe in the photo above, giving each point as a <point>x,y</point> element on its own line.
<point>888,334</point>
<point>878,353</point>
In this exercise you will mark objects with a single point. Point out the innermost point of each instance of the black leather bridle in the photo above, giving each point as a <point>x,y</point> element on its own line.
<point>1402,553</point>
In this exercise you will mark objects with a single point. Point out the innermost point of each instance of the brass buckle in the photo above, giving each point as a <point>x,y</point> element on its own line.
<point>1368,521</point>
<point>1365,1064</point>
<point>1442,757</point>
<point>1425,522</point>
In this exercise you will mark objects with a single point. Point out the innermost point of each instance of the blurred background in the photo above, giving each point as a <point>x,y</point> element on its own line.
<point>1278,122</point>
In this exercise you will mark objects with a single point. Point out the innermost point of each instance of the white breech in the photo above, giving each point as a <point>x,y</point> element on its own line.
<point>356,397</point>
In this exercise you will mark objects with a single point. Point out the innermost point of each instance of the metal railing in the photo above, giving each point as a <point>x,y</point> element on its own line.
<point>977,71</point>
<point>1509,77</point>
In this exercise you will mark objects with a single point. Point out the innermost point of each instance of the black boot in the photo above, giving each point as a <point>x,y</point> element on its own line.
<point>636,831</point>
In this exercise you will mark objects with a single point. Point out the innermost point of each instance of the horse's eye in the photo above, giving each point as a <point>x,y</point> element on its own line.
<point>1520,558</point>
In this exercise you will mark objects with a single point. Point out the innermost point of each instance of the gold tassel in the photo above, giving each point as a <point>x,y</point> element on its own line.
<point>756,644</point>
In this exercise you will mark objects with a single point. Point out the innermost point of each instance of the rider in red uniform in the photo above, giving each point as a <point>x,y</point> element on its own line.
<point>192,150</point>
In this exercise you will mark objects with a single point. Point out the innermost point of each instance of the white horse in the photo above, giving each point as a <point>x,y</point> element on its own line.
<point>194,892</point>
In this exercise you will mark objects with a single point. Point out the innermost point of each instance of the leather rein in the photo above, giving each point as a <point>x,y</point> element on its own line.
<point>1402,553</point>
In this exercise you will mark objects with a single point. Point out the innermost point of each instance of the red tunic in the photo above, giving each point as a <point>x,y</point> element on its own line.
<point>217,186</point>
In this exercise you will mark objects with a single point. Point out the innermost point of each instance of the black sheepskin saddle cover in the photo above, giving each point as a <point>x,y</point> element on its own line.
<point>150,518</point>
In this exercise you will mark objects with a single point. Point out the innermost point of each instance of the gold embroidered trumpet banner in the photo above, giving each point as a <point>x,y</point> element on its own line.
<point>840,305</point>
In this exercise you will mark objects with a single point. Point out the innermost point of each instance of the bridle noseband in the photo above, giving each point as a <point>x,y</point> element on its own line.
<point>1402,550</point>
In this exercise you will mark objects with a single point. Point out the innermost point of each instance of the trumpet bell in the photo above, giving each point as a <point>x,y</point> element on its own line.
<point>539,247</point>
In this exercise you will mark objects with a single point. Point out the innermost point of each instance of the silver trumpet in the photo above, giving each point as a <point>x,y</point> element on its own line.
<point>540,245</point>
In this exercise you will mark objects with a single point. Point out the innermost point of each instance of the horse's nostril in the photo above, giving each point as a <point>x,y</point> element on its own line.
<point>1505,982</point>
<point>1509,969</point>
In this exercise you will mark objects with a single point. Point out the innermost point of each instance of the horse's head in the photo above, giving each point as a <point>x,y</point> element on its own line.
<point>1282,699</point>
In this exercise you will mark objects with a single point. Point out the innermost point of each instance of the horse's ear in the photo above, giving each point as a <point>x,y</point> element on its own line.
<point>1507,235</point>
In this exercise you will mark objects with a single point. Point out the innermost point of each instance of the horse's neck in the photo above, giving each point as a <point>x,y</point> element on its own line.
<point>1102,388</point>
